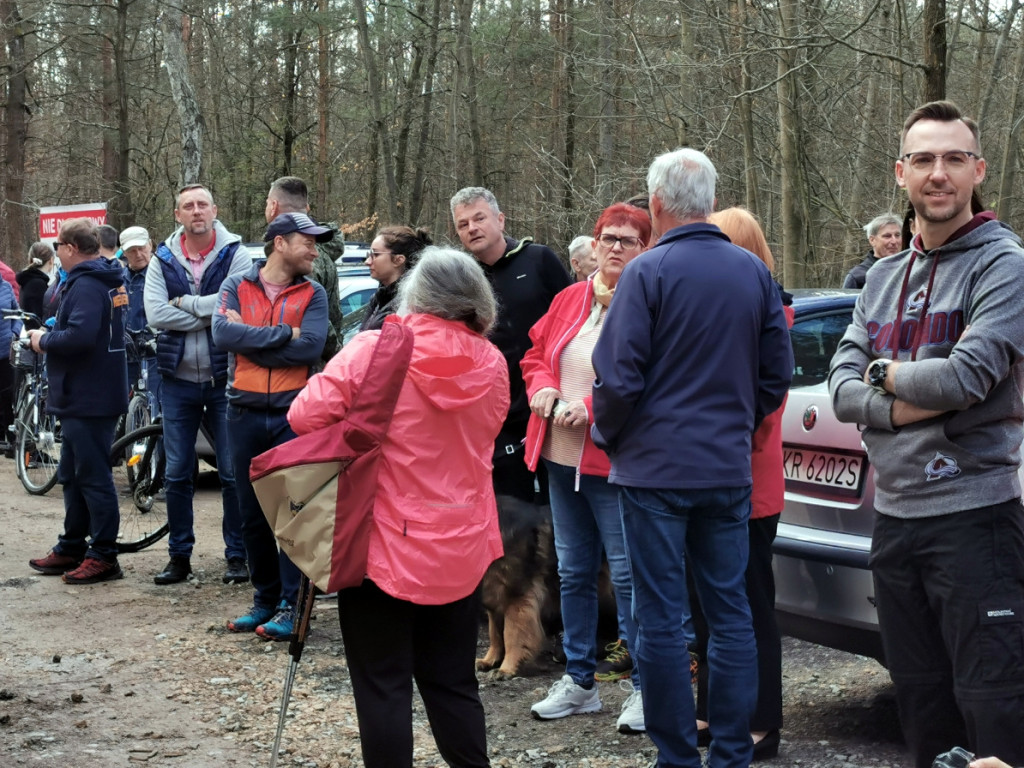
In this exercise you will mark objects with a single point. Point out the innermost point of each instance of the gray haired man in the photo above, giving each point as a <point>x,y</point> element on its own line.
<point>885,234</point>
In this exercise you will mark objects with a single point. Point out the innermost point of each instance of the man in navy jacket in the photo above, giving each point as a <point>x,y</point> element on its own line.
<point>88,390</point>
<point>694,353</point>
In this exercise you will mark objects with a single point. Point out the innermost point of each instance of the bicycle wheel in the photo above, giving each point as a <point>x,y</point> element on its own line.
<point>38,447</point>
<point>137,462</point>
<point>138,413</point>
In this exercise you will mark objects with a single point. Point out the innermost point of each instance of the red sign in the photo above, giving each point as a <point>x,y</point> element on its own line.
<point>50,219</point>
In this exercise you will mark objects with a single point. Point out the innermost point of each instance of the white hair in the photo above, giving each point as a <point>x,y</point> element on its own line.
<point>578,244</point>
<point>684,181</point>
<point>449,284</point>
<point>873,227</point>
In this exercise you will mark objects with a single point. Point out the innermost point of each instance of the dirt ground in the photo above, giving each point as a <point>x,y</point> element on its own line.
<point>129,673</point>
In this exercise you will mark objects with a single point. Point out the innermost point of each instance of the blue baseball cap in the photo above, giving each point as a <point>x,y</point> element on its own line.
<point>287,223</point>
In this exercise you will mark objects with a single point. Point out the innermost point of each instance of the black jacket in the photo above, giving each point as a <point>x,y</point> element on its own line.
<point>33,282</point>
<point>855,277</point>
<point>85,359</point>
<point>383,303</point>
<point>525,280</point>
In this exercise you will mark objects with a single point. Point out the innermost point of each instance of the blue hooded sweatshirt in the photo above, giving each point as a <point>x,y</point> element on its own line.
<point>85,357</point>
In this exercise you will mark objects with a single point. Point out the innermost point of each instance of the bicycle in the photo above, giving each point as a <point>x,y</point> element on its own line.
<point>143,407</point>
<point>36,433</point>
<point>138,464</point>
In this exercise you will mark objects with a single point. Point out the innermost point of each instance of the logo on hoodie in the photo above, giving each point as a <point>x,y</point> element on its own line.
<point>917,301</point>
<point>940,467</point>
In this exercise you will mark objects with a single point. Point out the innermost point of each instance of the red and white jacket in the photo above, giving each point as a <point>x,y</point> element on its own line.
<point>568,312</point>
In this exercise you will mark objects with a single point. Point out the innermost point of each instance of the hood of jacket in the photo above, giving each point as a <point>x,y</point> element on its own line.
<point>451,365</point>
<point>110,273</point>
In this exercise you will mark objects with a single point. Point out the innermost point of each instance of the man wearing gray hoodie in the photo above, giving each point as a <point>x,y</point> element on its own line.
<point>181,292</point>
<point>933,368</point>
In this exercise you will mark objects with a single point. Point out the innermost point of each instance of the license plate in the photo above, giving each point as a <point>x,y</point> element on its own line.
<point>832,470</point>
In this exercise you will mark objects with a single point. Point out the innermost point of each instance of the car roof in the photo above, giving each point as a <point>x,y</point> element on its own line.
<point>810,300</point>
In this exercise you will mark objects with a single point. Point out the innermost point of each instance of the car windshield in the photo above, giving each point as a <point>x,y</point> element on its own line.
<point>815,339</point>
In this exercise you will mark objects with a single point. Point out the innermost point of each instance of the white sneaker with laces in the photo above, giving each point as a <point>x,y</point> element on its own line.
<point>632,718</point>
<point>566,698</point>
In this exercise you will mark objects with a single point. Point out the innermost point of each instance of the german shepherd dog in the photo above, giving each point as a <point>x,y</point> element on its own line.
<point>520,590</point>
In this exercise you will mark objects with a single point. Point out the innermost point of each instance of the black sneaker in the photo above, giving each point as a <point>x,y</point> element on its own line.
<point>178,569</point>
<point>237,571</point>
<point>617,665</point>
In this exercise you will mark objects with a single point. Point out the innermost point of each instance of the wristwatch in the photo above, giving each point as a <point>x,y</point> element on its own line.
<point>876,373</point>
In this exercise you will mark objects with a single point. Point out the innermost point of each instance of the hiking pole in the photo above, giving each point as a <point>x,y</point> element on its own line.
<point>303,612</point>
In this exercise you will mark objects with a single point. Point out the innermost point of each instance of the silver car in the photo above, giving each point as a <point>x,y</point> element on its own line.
<point>824,592</point>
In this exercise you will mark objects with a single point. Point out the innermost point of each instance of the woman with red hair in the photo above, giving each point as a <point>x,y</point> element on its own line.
<point>584,507</point>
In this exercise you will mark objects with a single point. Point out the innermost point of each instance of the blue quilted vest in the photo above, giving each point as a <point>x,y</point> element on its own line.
<point>170,345</point>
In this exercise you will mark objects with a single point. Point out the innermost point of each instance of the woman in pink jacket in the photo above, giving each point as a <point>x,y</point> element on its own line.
<point>435,523</point>
<point>584,507</point>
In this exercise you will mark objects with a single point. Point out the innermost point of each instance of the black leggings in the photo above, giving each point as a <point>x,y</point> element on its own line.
<point>391,642</point>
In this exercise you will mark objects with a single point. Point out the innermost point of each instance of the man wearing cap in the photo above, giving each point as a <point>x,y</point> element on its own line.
<point>181,295</point>
<point>137,251</point>
<point>273,322</point>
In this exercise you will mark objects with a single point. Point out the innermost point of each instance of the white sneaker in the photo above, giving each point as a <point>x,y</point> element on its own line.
<point>566,698</point>
<point>632,718</point>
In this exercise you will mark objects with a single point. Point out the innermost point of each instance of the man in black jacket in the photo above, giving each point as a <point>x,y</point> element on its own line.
<point>88,390</point>
<point>525,277</point>
<point>885,234</point>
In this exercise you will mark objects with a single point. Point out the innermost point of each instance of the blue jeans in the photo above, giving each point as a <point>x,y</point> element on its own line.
<point>90,499</point>
<point>184,404</point>
<point>710,526</point>
<point>273,575</point>
<point>584,522</point>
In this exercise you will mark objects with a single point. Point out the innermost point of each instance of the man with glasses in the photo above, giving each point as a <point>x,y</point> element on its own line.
<point>525,277</point>
<point>933,366</point>
<point>180,294</point>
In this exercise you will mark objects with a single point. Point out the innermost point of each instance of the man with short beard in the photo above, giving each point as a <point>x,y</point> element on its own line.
<point>932,366</point>
<point>181,293</point>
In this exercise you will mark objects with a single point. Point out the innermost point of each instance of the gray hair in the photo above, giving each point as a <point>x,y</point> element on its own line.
<point>578,244</point>
<point>872,227</point>
<point>684,181</point>
<point>469,195</point>
<point>449,284</point>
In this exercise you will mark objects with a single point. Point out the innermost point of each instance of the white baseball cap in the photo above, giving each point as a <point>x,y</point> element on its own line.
<point>134,236</point>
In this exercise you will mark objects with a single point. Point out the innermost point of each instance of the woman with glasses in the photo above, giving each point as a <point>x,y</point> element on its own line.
<point>584,507</point>
<point>393,252</point>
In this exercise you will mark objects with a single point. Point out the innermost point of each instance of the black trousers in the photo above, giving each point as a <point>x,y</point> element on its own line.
<point>950,595</point>
<point>391,642</point>
<point>767,715</point>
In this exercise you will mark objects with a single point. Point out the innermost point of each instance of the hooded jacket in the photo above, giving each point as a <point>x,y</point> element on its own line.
<point>267,367</point>
<point>435,522</point>
<point>185,347</point>
<point>968,456</point>
<point>85,357</point>
<point>542,368</point>
<point>33,282</point>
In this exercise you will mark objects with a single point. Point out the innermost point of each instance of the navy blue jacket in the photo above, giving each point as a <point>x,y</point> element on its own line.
<point>8,328</point>
<point>85,359</point>
<point>694,353</point>
<point>135,284</point>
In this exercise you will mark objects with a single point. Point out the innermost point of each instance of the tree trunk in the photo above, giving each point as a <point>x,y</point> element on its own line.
<point>184,96</point>
<point>794,214</point>
<point>750,159</point>
<point>291,36</point>
<point>416,197</point>
<point>934,22</point>
<point>383,135</point>
<point>464,9</point>
<point>120,212</point>
<point>606,104</point>
<point>1004,207</point>
<point>16,235</point>
<point>997,60</point>
<point>323,110</point>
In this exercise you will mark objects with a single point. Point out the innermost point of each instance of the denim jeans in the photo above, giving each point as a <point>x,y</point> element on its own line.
<point>709,525</point>
<point>251,432</point>
<point>184,403</point>
<point>584,522</point>
<point>90,499</point>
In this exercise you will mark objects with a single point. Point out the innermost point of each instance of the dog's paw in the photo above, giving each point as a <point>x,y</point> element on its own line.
<point>500,675</point>
<point>485,664</point>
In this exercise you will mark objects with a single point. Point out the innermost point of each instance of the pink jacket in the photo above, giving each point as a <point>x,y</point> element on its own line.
<point>569,311</point>
<point>435,522</point>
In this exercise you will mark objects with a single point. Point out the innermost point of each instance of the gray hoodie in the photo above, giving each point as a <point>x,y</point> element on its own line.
<point>967,457</point>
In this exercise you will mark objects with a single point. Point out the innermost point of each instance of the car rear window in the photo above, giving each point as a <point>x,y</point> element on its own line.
<point>815,339</point>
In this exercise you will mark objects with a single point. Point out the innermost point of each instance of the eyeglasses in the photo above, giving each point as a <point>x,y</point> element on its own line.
<point>628,242</point>
<point>955,160</point>
<point>59,243</point>
<point>375,254</point>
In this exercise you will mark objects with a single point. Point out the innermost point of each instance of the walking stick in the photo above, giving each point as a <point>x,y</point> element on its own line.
<point>303,611</point>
